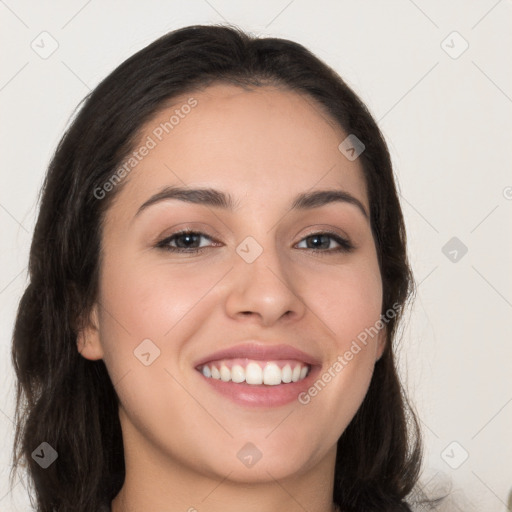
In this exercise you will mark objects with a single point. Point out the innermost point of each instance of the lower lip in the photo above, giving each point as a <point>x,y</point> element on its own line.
<point>262,395</point>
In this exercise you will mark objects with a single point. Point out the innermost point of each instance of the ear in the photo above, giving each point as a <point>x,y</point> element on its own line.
<point>88,337</point>
<point>381,343</point>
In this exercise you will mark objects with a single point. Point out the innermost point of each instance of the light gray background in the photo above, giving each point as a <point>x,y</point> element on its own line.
<point>448,124</point>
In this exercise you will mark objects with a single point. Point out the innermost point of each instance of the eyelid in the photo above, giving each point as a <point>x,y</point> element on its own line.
<point>315,229</point>
<point>188,227</point>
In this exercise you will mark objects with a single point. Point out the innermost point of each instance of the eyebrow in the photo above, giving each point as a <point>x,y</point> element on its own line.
<point>218,199</point>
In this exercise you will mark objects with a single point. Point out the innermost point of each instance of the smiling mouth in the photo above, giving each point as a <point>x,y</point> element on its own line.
<point>254,372</point>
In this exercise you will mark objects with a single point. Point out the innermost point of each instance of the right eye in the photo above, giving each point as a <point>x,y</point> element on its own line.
<point>184,241</point>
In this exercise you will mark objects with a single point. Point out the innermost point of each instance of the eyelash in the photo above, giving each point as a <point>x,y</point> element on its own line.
<point>344,245</point>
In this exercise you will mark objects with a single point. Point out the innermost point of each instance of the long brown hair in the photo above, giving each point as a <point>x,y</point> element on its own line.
<point>70,402</point>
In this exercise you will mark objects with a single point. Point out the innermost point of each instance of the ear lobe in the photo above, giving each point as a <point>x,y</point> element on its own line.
<point>381,343</point>
<point>88,337</point>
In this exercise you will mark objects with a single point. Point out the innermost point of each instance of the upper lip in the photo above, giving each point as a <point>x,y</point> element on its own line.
<point>260,352</point>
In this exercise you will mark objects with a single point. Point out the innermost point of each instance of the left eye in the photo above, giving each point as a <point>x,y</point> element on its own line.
<point>318,241</point>
<point>190,241</point>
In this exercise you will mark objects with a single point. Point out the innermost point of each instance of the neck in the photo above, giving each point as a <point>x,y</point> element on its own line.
<point>167,486</point>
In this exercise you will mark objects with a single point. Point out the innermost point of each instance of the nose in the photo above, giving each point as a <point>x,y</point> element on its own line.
<point>263,290</point>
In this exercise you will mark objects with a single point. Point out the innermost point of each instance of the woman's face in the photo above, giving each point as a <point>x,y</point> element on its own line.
<point>273,293</point>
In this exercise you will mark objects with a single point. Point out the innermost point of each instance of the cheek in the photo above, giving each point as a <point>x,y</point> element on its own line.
<point>348,298</point>
<point>357,303</point>
<point>349,301</point>
<point>149,300</point>
<point>152,300</point>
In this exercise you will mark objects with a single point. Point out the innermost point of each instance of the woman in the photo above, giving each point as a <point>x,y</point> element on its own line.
<point>216,278</point>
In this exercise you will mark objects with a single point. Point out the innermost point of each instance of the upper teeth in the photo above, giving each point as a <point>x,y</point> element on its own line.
<point>252,372</point>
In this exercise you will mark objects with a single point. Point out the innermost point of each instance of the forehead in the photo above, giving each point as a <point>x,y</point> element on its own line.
<point>263,144</point>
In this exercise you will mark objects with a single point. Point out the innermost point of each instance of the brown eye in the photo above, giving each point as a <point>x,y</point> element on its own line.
<point>184,241</point>
<point>322,242</point>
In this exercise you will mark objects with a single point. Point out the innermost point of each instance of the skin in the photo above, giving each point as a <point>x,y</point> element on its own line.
<point>181,438</point>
